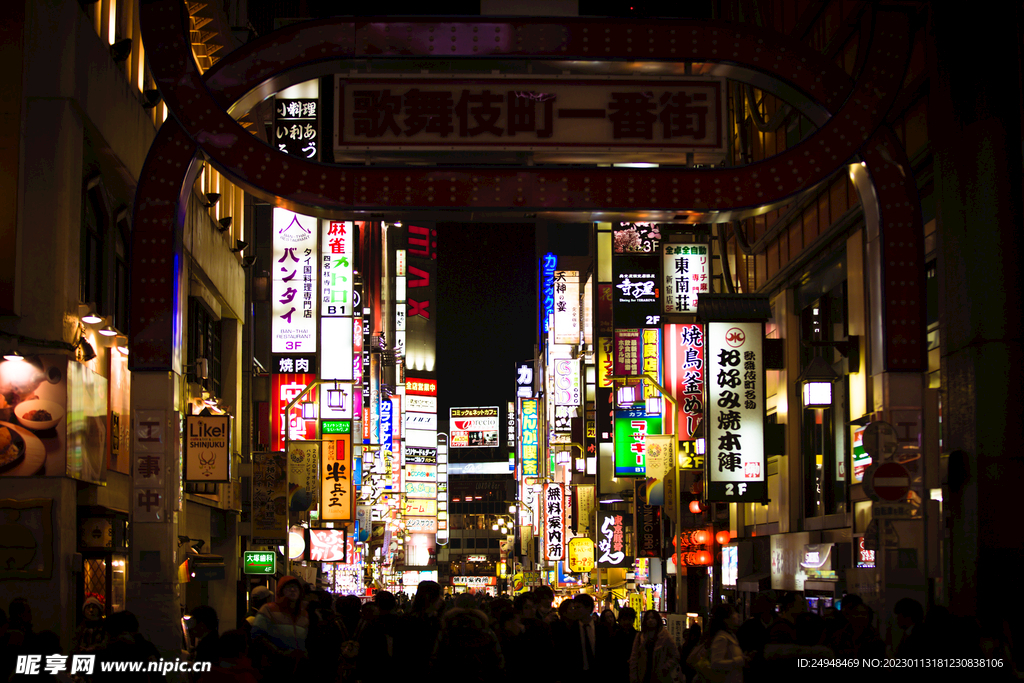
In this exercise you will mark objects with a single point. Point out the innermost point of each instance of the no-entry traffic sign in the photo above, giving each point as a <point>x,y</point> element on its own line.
<point>890,481</point>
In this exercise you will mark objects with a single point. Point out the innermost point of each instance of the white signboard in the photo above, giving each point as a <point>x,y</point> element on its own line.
<point>735,409</point>
<point>293,320</point>
<point>336,358</point>
<point>553,505</point>
<point>421,438</point>
<point>473,427</point>
<point>420,420</point>
<point>420,404</point>
<point>567,307</point>
<point>685,276</point>
<point>568,390</point>
<point>342,401</point>
<point>336,253</point>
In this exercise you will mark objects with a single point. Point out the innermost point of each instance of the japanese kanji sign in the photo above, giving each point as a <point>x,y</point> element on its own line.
<point>636,293</point>
<point>553,505</point>
<point>612,549</point>
<point>685,275</point>
<point>567,306</point>
<point>336,253</point>
<point>735,460</point>
<point>284,388</point>
<point>684,367</point>
<point>535,113</point>
<point>297,127</point>
<point>336,500</point>
<point>528,435</point>
<point>294,266</point>
<point>632,425</point>
<point>149,442</point>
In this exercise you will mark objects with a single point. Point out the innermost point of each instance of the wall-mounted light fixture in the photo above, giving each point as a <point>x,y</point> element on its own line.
<point>120,50</point>
<point>239,246</point>
<point>87,314</point>
<point>816,383</point>
<point>86,349</point>
<point>211,199</point>
<point>109,330</point>
<point>150,98</point>
<point>225,224</point>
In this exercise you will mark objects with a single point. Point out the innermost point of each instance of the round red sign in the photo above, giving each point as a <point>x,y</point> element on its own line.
<point>891,481</point>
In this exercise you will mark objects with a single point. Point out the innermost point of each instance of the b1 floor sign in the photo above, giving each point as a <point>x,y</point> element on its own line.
<point>888,481</point>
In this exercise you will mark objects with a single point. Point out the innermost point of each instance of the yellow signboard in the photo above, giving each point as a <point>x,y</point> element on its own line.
<point>581,555</point>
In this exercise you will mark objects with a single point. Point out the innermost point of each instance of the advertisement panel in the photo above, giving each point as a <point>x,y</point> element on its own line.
<point>684,370</point>
<point>685,269</point>
<point>118,420</point>
<point>34,425</point>
<point>87,423</point>
<point>207,448</point>
<point>632,425</point>
<point>328,545</point>
<point>612,549</point>
<point>659,457</point>
<point>269,498</point>
<point>528,435</point>
<point>553,505</point>
<point>303,474</point>
<point>636,294</point>
<point>336,487</point>
<point>336,253</point>
<point>568,385</point>
<point>567,307</point>
<point>293,310</point>
<point>473,427</point>
<point>736,414</point>
<point>284,388</point>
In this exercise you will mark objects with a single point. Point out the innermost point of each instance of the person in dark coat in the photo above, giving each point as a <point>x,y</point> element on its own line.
<point>468,650</point>
<point>204,626</point>
<point>622,643</point>
<point>909,618</point>
<point>232,665</point>
<point>126,644</point>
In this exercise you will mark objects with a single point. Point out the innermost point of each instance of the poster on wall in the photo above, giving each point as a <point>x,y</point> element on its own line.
<point>207,448</point>
<point>303,474</point>
<point>269,498</point>
<point>118,419</point>
<point>33,420</point>
<point>87,424</point>
<point>736,387</point>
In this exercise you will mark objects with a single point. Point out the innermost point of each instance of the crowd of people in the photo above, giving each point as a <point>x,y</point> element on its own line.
<point>294,632</point>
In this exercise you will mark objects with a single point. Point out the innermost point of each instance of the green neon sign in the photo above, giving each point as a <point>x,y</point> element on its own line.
<point>259,562</point>
<point>336,426</point>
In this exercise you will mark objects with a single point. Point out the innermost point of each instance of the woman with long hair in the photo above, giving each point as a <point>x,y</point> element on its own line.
<point>655,657</point>
<point>725,659</point>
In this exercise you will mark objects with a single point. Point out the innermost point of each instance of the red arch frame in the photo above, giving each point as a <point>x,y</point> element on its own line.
<point>199,107</point>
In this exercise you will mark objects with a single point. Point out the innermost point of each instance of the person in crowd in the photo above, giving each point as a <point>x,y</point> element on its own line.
<point>858,638</point>
<point>204,627</point>
<point>753,634</point>
<point>45,644</point>
<point>622,643</point>
<point>259,596</point>
<point>232,664</point>
<point>467,649</point>
<point>531,657</point>
<point>326,634</point>
<point>91,634</point>
<point>348,608</point>
<point>16,637</point>
<point>544,597</point>
<point>691,641</point>
<point>725,658</point>
<point>575,654</point>
<point>126,644</point>
<point>655,658</point>
<point>420,628</point>
<point>281,628</point>
<point>909,618</point>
